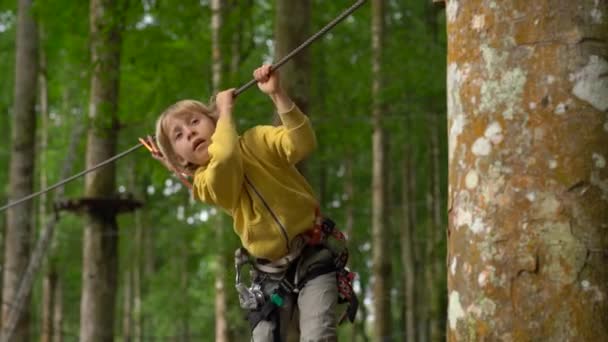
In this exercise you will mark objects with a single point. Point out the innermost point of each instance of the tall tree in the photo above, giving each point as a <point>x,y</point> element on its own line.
<point>292,27</point>
<point>58,312</point>
<point>50,276</point>
<point>100,250</point>
<point>21,183</point>
<point>527,101</point>
<point>380,251</point>
<point>407,247</point>
<point>217,73</point>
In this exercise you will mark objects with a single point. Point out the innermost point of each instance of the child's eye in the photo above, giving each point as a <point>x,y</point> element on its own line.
<point>195,121</point>
<point>178,136</point>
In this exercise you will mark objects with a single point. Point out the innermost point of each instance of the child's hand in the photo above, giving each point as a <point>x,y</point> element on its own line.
<point>151,145</point>
<point>224,101</point>
<point>268,81</point>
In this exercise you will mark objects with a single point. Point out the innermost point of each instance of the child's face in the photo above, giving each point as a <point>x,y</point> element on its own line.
<point>190,136</point>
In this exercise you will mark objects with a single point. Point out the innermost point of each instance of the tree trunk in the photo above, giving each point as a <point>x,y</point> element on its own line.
<point>127,313</point>
<point>527,102</point>
<point>407,249</point>
<point>221,311</point>
<point>58,312</point>
<point>100,245</point>
<point>44,137</point>
<point>183,326</point>
<point>292,27</point>
<point>50,276</point>
<point>436,264</point>
<point>418,250</point>
<point>137,281</point>
<point>349,219</point>
<point>380,236</point>
<point>217,73</point>
<point>21,182</point>
<point>49,284</point>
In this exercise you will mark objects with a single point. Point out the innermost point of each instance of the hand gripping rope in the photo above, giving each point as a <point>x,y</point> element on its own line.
<point>46,235</point>
<point>237,92</point>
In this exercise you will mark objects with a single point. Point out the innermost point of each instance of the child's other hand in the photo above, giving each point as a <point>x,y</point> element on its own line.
<point>151,145</point>
<point>224,101</point>
<point>268,81</point>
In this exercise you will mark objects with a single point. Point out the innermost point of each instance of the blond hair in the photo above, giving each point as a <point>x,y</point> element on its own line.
<point>177,109</point>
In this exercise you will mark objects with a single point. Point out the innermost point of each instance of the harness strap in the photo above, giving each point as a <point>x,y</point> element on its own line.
<point>255,317</point>
<point>281,265</point>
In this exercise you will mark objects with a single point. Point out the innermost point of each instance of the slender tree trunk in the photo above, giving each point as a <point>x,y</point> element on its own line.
<point>221,322</point>
<point>58,312</point>
<point>527,102</point>
<point>292,27</point>
<point>184,321</point>
<point>349,219</point>
<point>148,269</point>
<point>407,250</point>
<point>127,313</point>
<point>49,282</point>
<point>49,285</point>
<point>21,179</point>
<point>437,265</point>
<point>418,250</point>
<point>43,142</point>
<point>137,281</point>
<point>100,246</point>
<point>362,315</point>
<point>380,236</point>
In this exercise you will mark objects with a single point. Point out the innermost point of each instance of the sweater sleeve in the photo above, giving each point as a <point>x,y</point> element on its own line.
<point>220,182</point>
<point>294,140</point>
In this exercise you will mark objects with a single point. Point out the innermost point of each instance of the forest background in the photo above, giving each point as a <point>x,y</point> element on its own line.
<point>374,88</point>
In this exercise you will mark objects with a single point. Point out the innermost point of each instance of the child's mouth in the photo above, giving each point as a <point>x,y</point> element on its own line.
<point>198,143</point>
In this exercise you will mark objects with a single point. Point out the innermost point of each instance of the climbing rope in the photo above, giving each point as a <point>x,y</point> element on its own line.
<point>237,92</point>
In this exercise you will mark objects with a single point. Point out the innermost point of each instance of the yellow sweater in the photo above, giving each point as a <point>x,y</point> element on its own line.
<point>262,160</point>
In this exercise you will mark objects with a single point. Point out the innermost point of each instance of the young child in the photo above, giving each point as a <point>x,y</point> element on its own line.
<point>254,179</point>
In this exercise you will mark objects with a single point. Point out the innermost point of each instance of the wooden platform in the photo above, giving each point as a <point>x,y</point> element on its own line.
<point>109,205</point>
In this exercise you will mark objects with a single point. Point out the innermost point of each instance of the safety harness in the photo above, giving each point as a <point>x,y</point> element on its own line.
<point>265,306</point>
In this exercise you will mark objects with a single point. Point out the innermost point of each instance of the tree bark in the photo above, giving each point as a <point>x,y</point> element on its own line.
<point>44,136</point>
<point>292,27</point>
<point>100,245</point>
<point>127,313</point>
<point>58,312</point>
<point>18,232</point>
<point>138,266</point>
<point>528,199</point>
<point>49,284</point>
<point>50,276</point>
<point>380,235</point>
<point>217,75</point>
<point>407,249</point>
<point>436,266</point>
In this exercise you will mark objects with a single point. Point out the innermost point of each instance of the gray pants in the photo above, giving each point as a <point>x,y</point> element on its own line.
<point>314,312</point>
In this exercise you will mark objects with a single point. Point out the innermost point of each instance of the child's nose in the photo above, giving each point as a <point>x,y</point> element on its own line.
<point>191,133</point>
